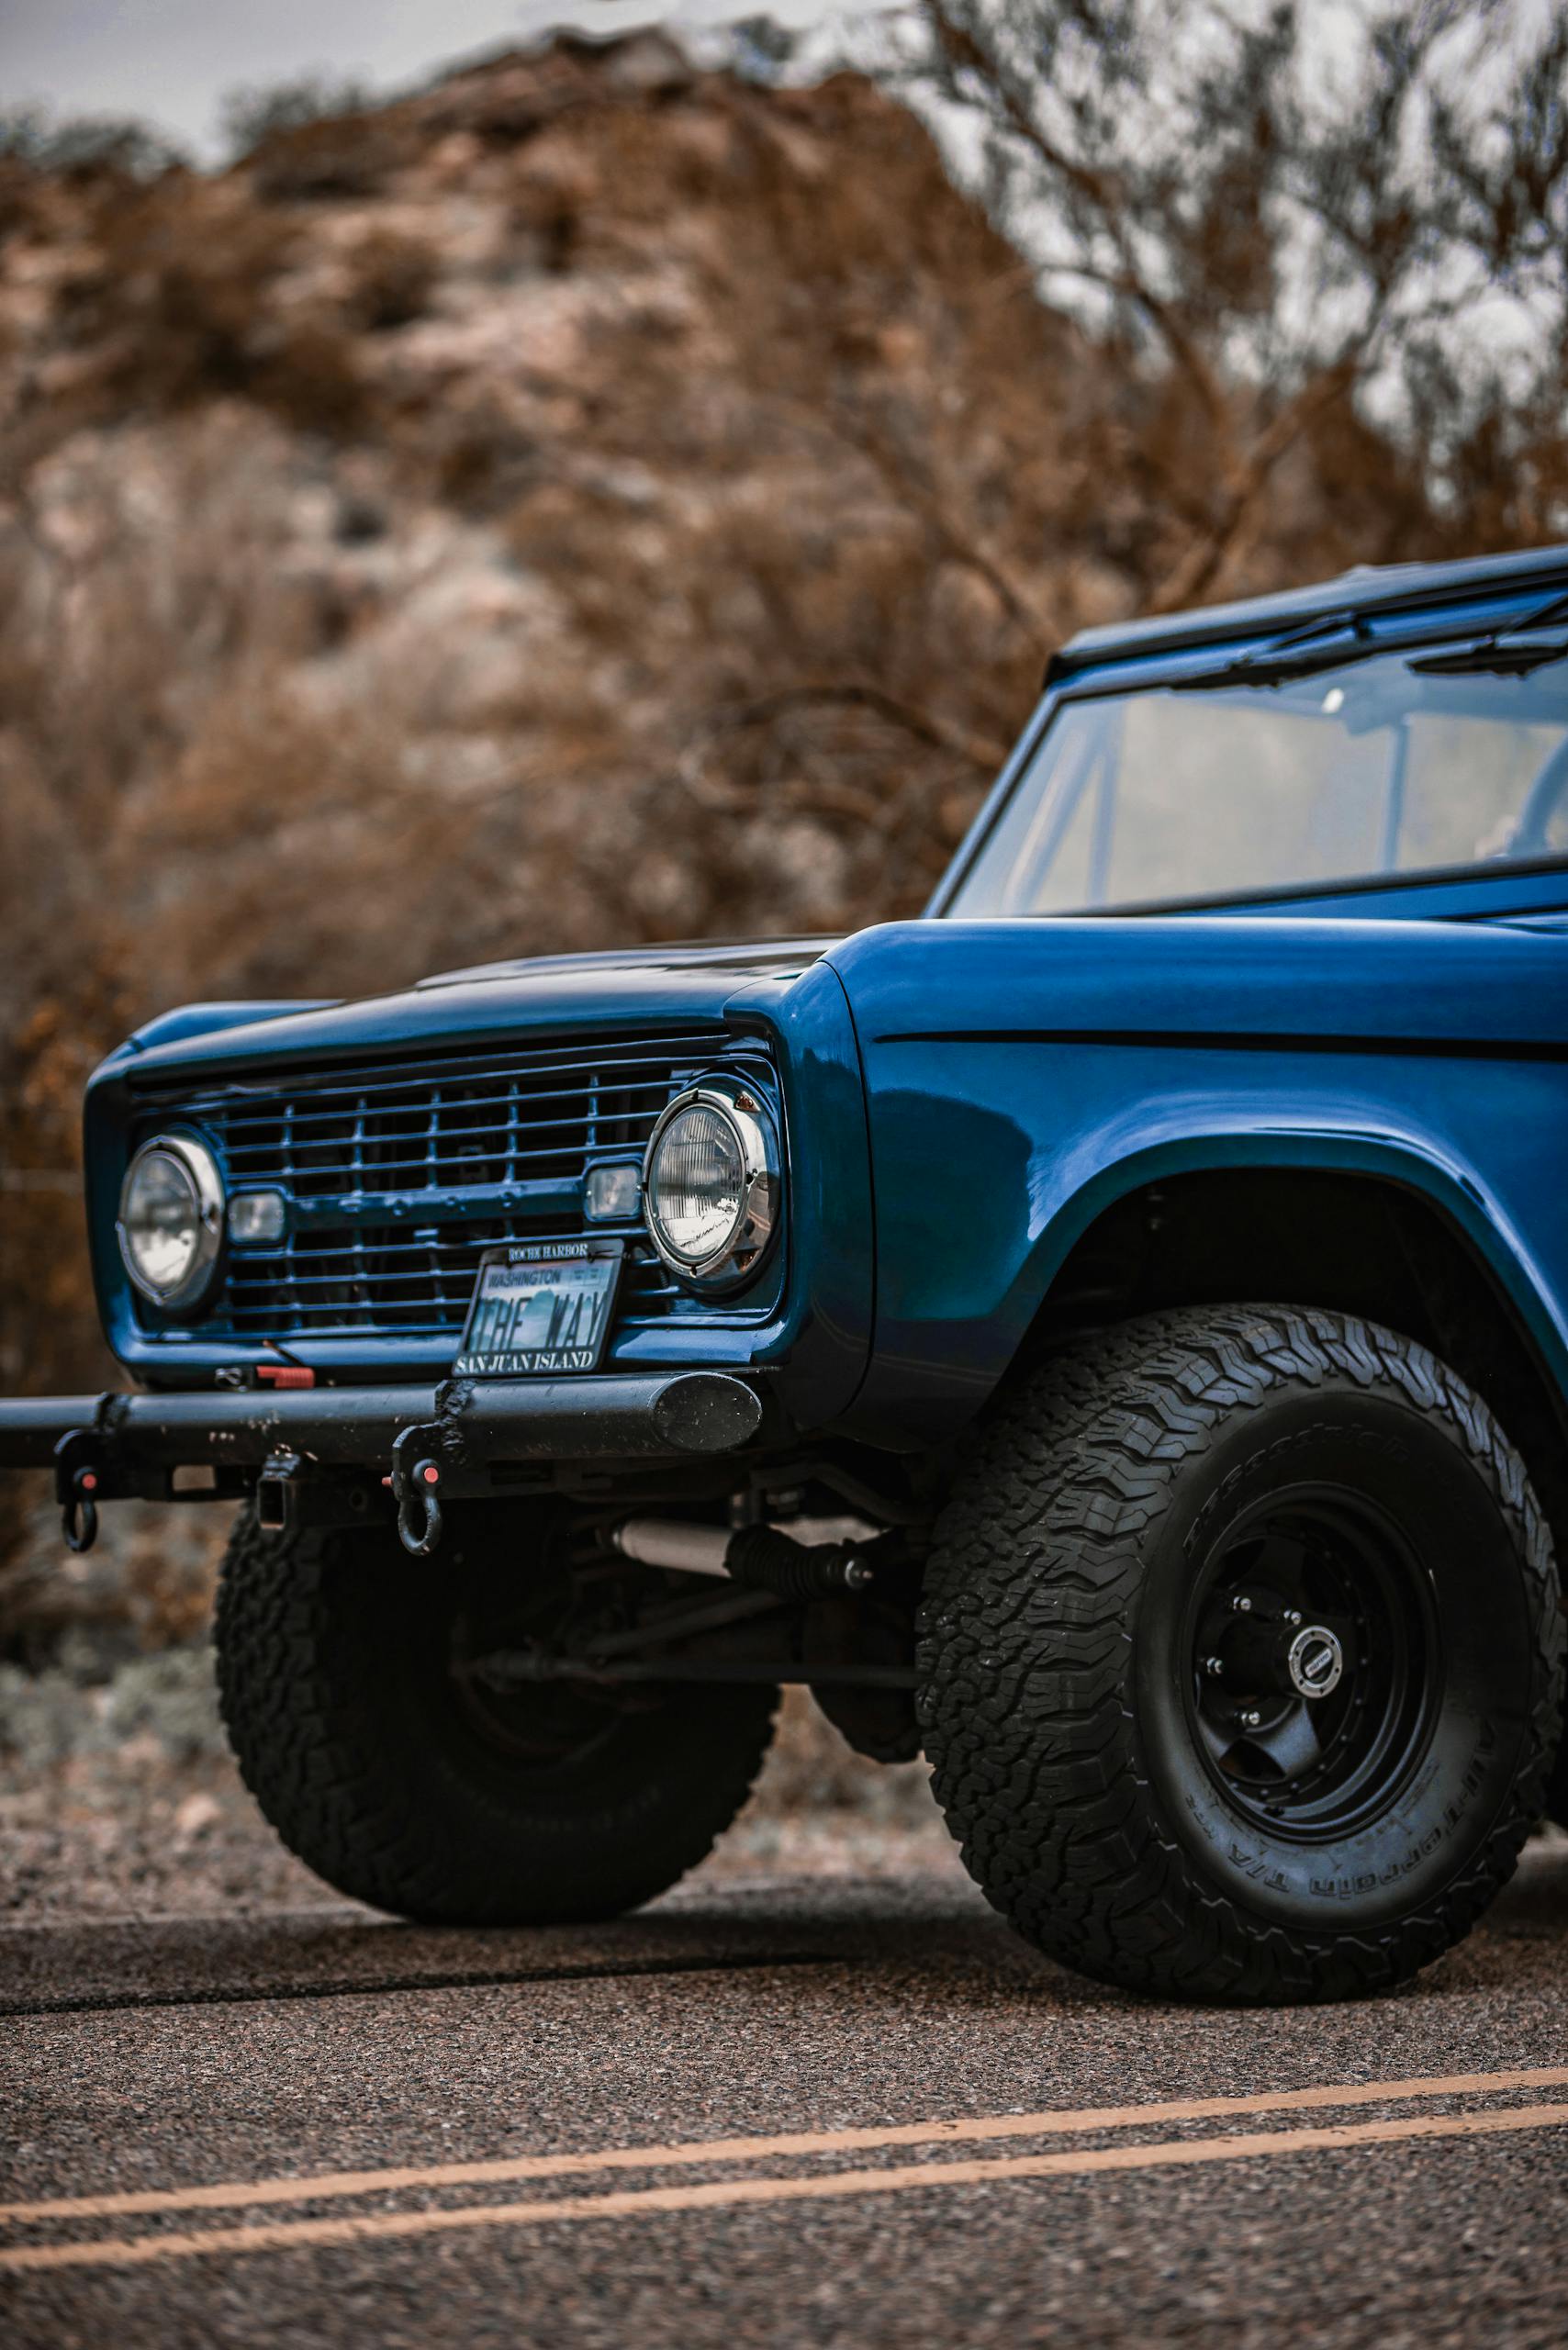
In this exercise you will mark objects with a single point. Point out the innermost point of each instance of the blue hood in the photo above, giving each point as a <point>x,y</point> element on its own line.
<point>649,983</point>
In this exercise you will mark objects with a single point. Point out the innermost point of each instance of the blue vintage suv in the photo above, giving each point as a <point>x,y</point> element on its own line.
<point>1111,1333</point>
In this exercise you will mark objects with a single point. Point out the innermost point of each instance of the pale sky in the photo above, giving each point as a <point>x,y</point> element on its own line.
<point>171,61</point>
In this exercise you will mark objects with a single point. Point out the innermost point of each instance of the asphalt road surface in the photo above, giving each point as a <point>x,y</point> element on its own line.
<point>771,2111</point>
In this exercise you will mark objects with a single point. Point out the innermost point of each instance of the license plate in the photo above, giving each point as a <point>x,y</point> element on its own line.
<point>540,1307</point>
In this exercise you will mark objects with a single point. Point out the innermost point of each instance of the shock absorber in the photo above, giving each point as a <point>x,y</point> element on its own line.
<point>766,1559</point>
<point>760,1558</point>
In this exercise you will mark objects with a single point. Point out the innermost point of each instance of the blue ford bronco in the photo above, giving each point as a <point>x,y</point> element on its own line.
<point>1111,1332</point>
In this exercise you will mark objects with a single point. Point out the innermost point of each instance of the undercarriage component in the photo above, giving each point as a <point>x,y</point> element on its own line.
<point>765,1560</point>
<point>806,1558</point>
<point>275,1489</point>
<point>838,1616</point>
<point>666,1542</point>
<point>859,1658</point>
<point>513,1669</point>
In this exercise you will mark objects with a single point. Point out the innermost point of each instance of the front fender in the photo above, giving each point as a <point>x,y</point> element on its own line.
<point>998,1135</point>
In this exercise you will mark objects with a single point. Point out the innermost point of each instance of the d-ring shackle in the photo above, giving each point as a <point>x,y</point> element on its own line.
<point>419,1511</point>
<point>414,1490</point>
<point>79,1512</point>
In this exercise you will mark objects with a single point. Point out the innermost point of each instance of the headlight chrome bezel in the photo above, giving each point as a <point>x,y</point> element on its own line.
<point>750,1240</point>
<point>200,1168</point>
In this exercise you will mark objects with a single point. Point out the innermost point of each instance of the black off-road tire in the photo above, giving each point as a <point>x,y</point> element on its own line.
<point>1557,1788</point>
<point>367,1756</point>
<point>1064,1720</point>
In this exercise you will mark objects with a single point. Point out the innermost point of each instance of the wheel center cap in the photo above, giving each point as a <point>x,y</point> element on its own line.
<point>1316,1661</point>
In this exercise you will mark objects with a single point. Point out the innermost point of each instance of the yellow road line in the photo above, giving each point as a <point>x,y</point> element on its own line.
<point>331,2185</point>
<point>367,2227</point>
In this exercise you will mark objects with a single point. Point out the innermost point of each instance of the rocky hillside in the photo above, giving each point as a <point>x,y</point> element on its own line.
<point>444,488</point>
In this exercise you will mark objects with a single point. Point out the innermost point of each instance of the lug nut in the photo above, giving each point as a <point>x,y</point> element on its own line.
<point>1242,1605</point>
<point>1214,1667</point>
<point>1250,1721</point>
<point>1292,1615</point>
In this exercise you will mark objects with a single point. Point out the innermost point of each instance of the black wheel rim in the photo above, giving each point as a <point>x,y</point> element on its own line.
<point>1313,1664</point>
<point>543,1731</point>
<point>548,1728</point>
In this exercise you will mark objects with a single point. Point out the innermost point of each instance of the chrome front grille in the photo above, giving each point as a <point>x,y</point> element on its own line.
<point>400,1174</point>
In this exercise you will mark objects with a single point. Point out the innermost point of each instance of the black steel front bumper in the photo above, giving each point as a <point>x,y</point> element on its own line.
<point>426,1443</point>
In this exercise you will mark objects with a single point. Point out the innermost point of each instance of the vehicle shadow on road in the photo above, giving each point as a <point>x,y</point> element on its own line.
<point>895,1935</point>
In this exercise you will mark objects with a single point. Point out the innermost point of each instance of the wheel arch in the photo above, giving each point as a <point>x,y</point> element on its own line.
<point>1377,1226</point>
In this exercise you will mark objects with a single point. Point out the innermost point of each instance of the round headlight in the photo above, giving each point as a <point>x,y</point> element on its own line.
<point>171,1220</point>
<point>711,1183</point>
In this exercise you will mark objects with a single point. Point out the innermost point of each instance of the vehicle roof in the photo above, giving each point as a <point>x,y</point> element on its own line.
<point>1366,587</point>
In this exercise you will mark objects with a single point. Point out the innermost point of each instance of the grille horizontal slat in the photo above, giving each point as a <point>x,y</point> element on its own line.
<point>502,1097</point>
<point>333,1137</point>
<point>348,1175</point>
<point>452,1124</point>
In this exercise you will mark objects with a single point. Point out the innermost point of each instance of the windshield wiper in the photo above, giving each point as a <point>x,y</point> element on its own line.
<point>1502,656</point>
<point>1505,653</point>
<point>1326,643</point>
<point>1336,639</point>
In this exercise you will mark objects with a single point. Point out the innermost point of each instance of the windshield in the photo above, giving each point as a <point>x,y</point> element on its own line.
<point>1375,769</point>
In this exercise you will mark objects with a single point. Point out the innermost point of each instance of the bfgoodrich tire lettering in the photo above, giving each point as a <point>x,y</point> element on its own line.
<point>403,1784</point>
<point>1090,1745</point>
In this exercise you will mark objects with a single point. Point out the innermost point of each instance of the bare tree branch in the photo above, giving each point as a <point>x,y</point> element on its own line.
<point>975,751</point>
<point>1198,569</point>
